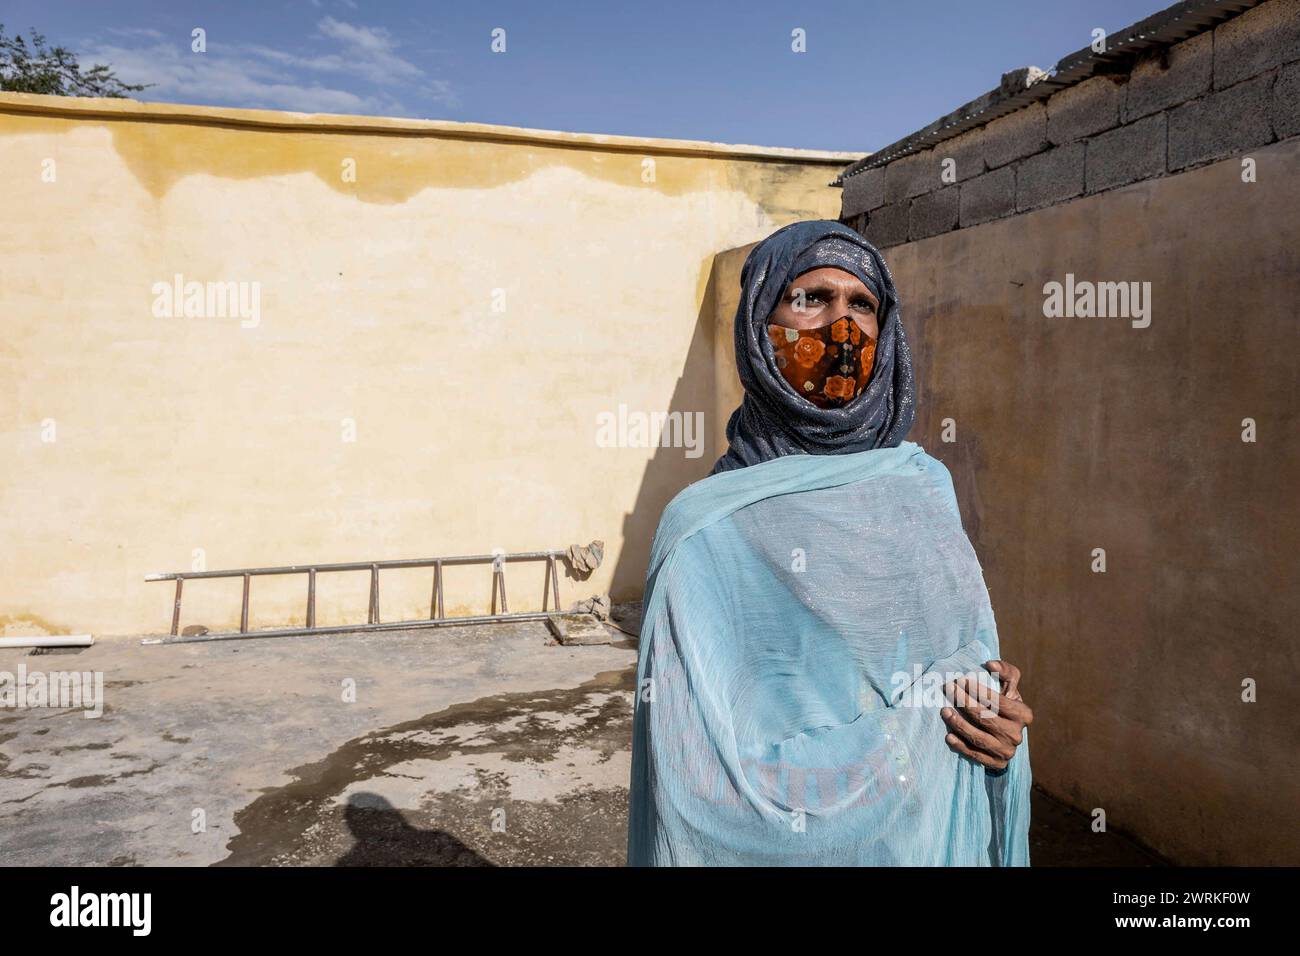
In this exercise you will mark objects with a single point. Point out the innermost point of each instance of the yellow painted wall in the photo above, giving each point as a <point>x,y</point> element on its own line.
<point>134,440</point>
<point>727,390</point>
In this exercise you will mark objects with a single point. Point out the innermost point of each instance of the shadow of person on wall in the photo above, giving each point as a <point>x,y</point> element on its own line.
<point>671,469</point>
<point>382,837</point>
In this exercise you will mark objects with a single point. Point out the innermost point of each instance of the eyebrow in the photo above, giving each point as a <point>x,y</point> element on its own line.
<point>825,289</point>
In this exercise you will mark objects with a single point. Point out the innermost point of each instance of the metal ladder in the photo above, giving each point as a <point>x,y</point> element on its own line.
<point>437,613</point>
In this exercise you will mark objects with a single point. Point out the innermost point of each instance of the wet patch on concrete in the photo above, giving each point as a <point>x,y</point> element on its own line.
<point>72,748</point>
<point>533,778</point>
<point>103,780</point>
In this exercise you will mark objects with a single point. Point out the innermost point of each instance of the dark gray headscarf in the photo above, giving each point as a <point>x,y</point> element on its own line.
<point>773,420</point>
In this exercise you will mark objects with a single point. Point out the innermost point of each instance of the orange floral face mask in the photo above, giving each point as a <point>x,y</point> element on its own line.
<point>829,365</point>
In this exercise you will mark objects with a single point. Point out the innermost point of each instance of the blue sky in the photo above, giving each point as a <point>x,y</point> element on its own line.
<point>872,73</point>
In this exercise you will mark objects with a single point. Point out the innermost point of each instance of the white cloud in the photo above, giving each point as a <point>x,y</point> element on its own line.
<point>368,52</point>
<point>257,76</point>
<point>136,32</point>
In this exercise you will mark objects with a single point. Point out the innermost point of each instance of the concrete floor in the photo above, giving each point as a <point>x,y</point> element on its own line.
<point>473,746</point>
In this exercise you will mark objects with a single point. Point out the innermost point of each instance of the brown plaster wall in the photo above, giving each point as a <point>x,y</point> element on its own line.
<point>1081,433</point>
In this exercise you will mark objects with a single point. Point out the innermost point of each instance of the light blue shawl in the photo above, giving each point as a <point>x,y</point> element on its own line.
<point>800,615</point>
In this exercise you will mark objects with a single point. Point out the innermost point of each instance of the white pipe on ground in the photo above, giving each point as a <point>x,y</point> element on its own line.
<point>53,640</point>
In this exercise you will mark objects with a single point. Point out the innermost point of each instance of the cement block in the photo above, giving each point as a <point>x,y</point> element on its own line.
<point>1050,177</point>
<point>1285,104</point>
<point>1186,72</point>
<point>967,153</point>
<point>1221,124</point>
<point>1016,135</point>
<point>1083,110</point>
<point>1258,40</point>
<point>887,226</point>
<point>1128,154</point>
<point>863,192</point>
<point>579,629</point>
<point>933,213</point>
<point>911,176</point>
<point>990,196</point>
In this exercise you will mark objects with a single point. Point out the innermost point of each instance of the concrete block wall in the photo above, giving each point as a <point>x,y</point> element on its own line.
<point>1214,95</point>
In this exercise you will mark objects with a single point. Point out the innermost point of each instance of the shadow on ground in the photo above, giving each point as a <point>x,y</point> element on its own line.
<point>382,837</point>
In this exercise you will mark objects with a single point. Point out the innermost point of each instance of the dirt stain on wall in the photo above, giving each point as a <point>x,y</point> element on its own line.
<point>391,167</point>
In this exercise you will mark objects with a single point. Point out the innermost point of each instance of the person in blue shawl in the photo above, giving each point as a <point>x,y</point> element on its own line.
<point>819,679</point>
